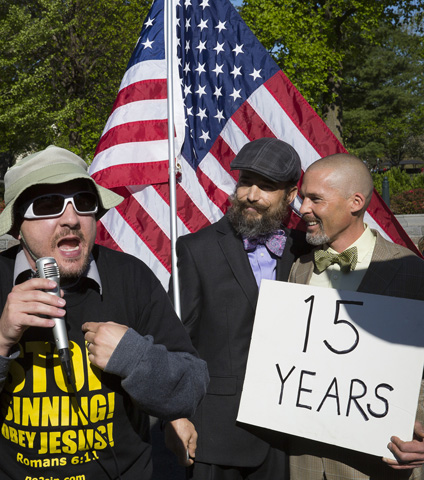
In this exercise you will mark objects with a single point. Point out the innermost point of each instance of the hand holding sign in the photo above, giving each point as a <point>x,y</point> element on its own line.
<point>408,454</point>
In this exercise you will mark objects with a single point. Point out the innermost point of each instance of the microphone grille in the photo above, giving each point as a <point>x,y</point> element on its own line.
<point>51,271</point>
<point>47,268</point>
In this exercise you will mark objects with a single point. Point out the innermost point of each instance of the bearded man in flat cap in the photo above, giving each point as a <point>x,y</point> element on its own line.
<point>220,270</point>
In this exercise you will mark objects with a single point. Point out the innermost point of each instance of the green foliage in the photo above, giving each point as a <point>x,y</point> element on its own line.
<point>399,181</point>
<point>409,202</point>
<point>61,63</point>
<point>313,41</point>
<point>310,40</point>
<point>384,98</point>
<point>297,36</point>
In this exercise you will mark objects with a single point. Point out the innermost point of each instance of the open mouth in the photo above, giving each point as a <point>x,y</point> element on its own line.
<point>313,224</point>
<point>69,245</point>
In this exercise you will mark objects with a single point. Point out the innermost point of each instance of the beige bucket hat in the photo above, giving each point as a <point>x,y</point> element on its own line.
<point>54,165</point>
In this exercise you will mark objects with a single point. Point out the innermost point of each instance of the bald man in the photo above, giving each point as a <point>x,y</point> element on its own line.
<point>336,192</point>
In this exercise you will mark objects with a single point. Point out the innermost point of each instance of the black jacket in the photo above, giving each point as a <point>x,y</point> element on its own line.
<point>218,301</point>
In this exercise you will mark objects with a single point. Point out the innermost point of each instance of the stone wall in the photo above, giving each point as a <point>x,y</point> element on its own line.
<point>7,241</point>
<point>413,225</point>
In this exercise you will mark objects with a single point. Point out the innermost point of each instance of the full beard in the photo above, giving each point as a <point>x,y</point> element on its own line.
<point>250,227</point>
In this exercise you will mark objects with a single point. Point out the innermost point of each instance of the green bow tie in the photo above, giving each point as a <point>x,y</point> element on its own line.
<point>347,259</point>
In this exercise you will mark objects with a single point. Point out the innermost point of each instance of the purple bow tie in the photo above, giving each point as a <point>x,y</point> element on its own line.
<point>274,242</point>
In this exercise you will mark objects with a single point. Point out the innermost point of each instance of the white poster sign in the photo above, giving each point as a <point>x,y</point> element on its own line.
<point>324,362</point>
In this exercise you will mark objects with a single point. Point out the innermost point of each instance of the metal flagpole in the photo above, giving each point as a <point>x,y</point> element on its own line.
<point>169,52</point>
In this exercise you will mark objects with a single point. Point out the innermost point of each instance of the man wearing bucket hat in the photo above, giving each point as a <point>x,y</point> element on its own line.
<point>220,269</point>
<point>130,357</point>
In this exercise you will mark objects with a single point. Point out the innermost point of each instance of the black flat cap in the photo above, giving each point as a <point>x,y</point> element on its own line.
<point>272,158</point>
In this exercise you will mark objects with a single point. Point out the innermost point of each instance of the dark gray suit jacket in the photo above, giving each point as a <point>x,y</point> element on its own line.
<point>218,301</point>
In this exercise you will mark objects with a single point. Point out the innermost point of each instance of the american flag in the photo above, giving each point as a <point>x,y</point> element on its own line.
<point>227,91</point>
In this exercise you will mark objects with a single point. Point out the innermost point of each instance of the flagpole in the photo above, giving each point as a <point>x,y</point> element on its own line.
<point>169,49</point>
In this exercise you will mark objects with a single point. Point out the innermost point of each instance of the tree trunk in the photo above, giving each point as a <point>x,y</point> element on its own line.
<point>333,111</point>
<point>74,134</point>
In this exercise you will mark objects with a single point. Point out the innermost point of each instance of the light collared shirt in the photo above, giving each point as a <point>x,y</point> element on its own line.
<point>22,265</point>
<point>263,263</point>
<point>333,277</point>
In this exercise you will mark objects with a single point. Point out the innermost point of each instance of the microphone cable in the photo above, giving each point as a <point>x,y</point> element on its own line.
<point>72,384</point>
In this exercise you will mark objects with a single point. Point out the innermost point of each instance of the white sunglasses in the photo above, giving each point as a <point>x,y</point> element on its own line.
<point>54,204</point>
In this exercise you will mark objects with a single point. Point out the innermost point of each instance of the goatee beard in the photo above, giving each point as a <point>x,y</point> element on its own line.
<point>253,227</point>
<point>317,238</point>
<point>69,276</point>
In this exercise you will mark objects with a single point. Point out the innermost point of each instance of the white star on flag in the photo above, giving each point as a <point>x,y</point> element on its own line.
<point>255,74</point>
<point>201,90</point>
<point>205,136</point>
<point>235,94</point>
<point>203,24</point>
<point>238,49</point>
<point>219,47</point>
<point>149,22</point>
<point>202,113</point>
<point>201,46</point>
<point>236,71</point>
<point>218,69</point>
<point>148,43</point>
<point>221,26</point>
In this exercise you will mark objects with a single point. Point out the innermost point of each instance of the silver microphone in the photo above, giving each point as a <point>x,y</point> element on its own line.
<point>47,268</point>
